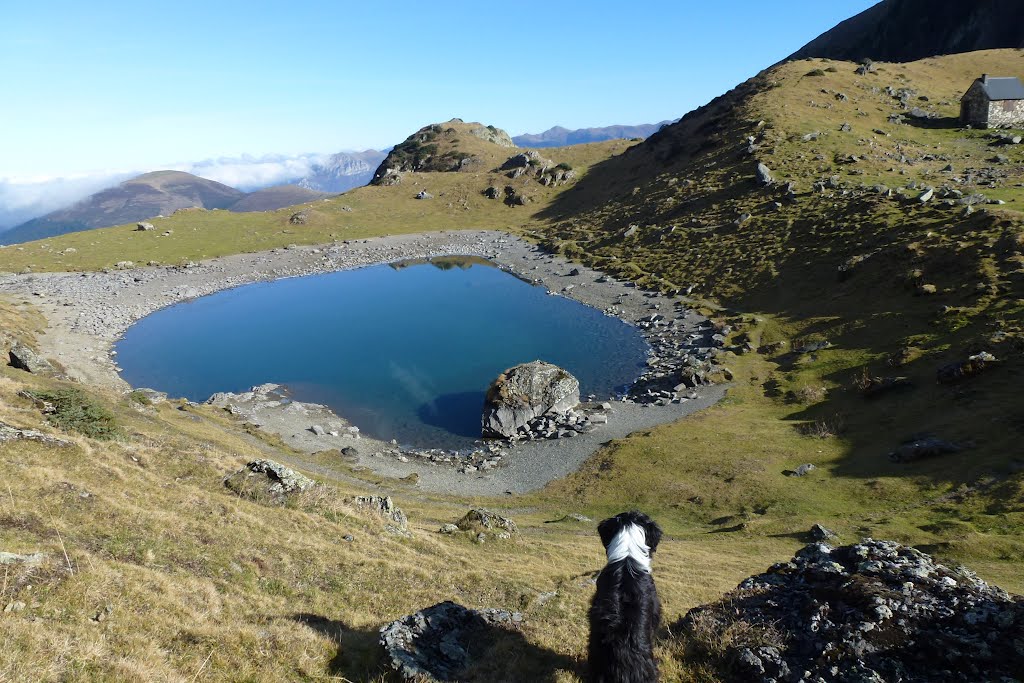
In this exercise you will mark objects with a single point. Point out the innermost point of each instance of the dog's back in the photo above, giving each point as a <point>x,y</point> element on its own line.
<point>626,611</point>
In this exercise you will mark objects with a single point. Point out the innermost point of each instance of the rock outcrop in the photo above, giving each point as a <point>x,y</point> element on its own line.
<point>525,392</point>
<point>438,643</point>
<point>24,358</point>
<point>484,521</point>
<point>875,611</point>
<point>267,481</point>
<point>385,508</point>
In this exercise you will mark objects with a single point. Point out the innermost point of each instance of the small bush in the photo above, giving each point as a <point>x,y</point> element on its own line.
<point>816,72</point>
<point>564,167</point>
<point>140,398</point>
<point>823,428</point>
<point>73,410</point>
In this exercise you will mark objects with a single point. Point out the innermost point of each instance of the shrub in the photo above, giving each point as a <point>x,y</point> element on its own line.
<point>563,167</point>
<point>73,410</point>
<point>816,72</point>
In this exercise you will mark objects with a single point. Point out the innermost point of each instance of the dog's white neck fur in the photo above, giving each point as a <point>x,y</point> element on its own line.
<point>631,542</point>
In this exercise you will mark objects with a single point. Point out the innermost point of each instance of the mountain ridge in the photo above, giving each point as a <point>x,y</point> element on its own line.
<point>908,30</point>
<point>559,136</point>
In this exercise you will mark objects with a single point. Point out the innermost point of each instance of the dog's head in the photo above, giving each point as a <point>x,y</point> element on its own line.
<point>610,527</point>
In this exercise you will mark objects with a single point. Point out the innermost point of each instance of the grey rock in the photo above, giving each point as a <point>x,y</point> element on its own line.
<point>820,533</point>
<point>764,175</point>
<point>927,447</point>
<point>630,231</point>
<point>801,471</point>
<point>481,519</point>
<point>267,481</point>
<point>961,370</point>
<point>24,358</point>
<point>525,392</point>
<point>385,507</point>
<point>926,195</point>
<point>28,560</point>
<point>152,395</point>
<point>298,218</point>
<point>144,227</point>
<point>871,612</point>
<point>440,642</point>
<point>9,433</point>
<point>423,194</point>
<point>448,529</point>
<point>318,430</point>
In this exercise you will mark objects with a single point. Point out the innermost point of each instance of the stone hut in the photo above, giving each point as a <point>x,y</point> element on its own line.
<point>992,102</point>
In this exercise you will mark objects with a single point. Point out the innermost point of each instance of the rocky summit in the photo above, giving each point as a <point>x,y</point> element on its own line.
<point>525,392</point>
<point>874,611</point>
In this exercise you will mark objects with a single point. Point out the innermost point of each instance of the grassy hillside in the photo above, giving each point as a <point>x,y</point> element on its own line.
<point>201,583</point>
<point>458,203</point>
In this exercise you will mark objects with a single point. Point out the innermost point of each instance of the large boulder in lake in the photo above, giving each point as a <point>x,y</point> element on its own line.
<point>525,392</point>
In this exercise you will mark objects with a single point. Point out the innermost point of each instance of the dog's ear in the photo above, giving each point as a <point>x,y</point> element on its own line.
<point>652,531</point>
<point>607,530</point>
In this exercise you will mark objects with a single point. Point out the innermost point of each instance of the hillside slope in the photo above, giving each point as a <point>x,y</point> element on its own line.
<point>908,30</point>
<point>851,299</point>
<point>276,197</point>
<point>148,195</point>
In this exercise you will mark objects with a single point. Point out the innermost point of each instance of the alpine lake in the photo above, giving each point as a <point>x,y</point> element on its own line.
<point>404,351</point>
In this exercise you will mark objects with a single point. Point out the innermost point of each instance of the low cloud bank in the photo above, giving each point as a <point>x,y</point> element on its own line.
<point>23,199</point>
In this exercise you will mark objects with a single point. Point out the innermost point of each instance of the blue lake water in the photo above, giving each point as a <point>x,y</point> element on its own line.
<point>403,351</point>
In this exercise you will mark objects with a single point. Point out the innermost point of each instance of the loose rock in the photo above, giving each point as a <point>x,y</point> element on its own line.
<point>440,642</point>
<point>267,481</point>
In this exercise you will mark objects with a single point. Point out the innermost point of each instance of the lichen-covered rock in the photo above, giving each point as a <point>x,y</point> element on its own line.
<point>961,370</point>
<point>385,507</point>
<point>525,392</point>
<point>440,642</point>
<point>24,358</point>
<point>267,481</point>
<point>483,520</point>
<point>873,611</point>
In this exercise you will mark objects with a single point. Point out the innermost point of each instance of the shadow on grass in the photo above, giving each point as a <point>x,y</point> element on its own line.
<point>500,655</point>
<point>947,122</point>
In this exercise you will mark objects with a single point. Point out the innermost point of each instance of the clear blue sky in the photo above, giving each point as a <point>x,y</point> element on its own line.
<point>107,85</point>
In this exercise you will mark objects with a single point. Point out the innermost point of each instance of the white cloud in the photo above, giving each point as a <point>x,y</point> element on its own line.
<point>22,199</point>
<point>251,173</point>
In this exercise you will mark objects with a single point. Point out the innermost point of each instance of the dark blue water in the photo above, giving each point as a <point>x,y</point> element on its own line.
<point>404,352</point>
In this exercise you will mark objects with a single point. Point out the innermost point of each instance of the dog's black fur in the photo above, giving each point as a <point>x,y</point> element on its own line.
<point>625,612</point>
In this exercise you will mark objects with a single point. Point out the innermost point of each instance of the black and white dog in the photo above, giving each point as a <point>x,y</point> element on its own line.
<point>625,612</point>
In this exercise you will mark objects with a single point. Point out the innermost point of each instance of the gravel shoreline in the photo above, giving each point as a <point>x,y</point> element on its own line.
<point>88,312</point>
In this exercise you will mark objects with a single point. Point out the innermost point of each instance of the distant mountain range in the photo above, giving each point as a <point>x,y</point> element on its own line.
<point>908,30</point>
<point>163,192</point>
<point>560,137</point>
<point>343,171</point>
<point>154,194</point>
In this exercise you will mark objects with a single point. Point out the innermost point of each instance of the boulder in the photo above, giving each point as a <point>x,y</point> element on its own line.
<point>385,507</point>
<point>764,175</point>
<point>298,218</point>
<point>974,365</point>
<point>525,392</point>
<point>24,358</point>
<point>144,227</point>
<point>874,611</point>
<point>927,447</point>
<point>267,481</point>
<point>440,642</point>
<point>483,520</point>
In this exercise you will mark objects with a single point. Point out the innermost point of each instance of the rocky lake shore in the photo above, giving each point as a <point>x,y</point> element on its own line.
<point>88,312</point>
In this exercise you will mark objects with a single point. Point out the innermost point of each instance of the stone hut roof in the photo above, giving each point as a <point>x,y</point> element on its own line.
<point>1003,88</point>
